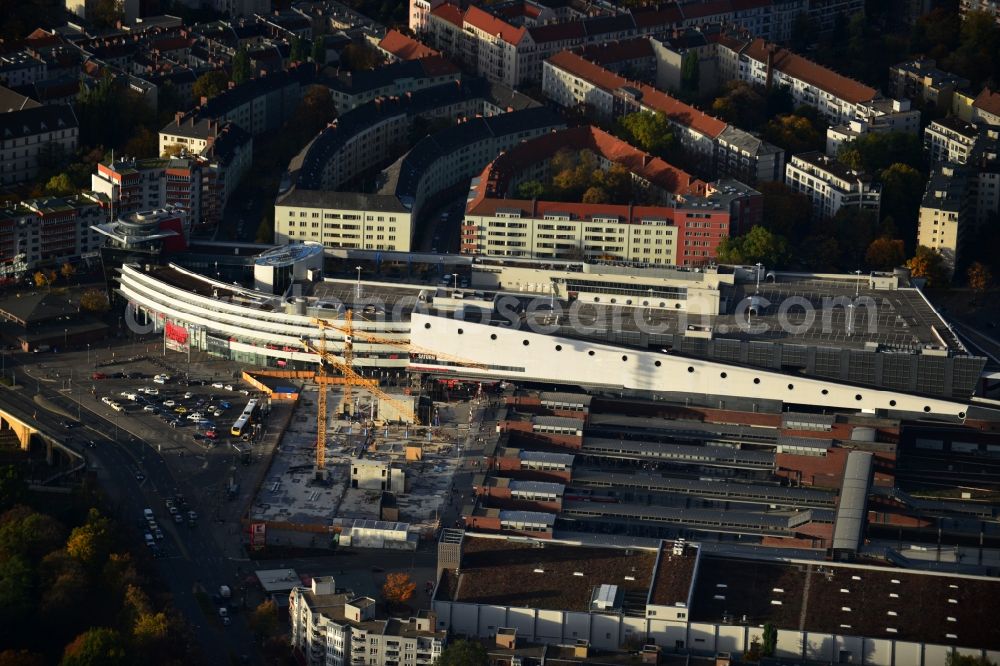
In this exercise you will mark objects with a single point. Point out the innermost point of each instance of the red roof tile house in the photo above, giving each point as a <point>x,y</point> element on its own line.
<point>397,46</point>
<point>682,228</point>
<point>720,150</point>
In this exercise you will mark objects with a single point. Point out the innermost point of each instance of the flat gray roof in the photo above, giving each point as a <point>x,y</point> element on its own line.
<point>853,506</point>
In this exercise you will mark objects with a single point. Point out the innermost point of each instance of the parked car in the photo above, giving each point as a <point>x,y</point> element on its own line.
<point>149,408</point>
<point>152,391</point>
<point>211,434</point>
<point>228,387</point>
<point>169,403</point>
<point>71,424</point>
<point>98,375</point>
<point>217,385</point>
<point>188,395</point>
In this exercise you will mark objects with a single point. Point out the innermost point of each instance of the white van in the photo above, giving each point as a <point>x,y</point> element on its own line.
<point>147,513</point>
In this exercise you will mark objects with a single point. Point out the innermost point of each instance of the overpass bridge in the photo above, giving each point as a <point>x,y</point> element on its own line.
<point>28,422</point>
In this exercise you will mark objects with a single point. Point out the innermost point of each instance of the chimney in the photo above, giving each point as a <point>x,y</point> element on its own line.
<point>178,116</point>
<point>770,48</point>
<point>506,638</point>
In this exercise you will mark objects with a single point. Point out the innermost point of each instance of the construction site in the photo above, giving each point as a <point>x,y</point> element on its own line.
<point>383,485</point>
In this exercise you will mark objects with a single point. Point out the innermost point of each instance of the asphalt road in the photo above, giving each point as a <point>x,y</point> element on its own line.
<point>192,559</point>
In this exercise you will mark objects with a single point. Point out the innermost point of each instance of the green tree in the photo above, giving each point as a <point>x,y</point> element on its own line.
<point>794,133</point>
<point>319,51</point>
<point>210,84</point>
<point>876,151</point>
<point>26,532</point>
<point>264,619</point>
<point>769,640</point>
<point>241,66</point>
<point>855,230</point>
<point>298,52</point>
<point>980,277</point>
<point>531,189</point>
<point>885,253</point>
<point>928,263</point>
<point>144,143</point>
<point>690,73</point>
<point>358,58</point>
<point>741,105</point>
<point>60,185</point>
<point>150,631</point>
<point>902,191</point>
<point>64,586</point>
<point>94,300</point>
<point>13,487</point>
<point>265,230</point>
<point>90,543</point>
<point>785,212</point>
<point>757,245</point>
<point>21,658</point>
<point>315,111</point>
<point>105,13</point>
<point>820,252</point>
<point>463,653</point>
<point>594,195</point>
<point>99,646</point>
<point>649,131</point>
<point>16,591</point>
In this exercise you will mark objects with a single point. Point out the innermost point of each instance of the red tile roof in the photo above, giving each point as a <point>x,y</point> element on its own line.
<point>988,101</point>
<point>405,47</point>
<point>806,70</point>
<point>495,178</point>
<point>491,25</point>
<point>676,110</point>
<point>449,12</point>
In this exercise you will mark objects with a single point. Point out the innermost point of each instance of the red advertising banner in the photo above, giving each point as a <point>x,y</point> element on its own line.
<point>178,334</point>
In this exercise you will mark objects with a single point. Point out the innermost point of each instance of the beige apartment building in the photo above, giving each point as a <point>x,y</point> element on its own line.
<point>342,219</point>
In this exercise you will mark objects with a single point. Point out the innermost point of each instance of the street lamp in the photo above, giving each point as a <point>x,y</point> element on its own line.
<point>857,286</point>
<point>65,338</point>
<point>358,289</point>
<point>88,354</point>
<point>760,267</point>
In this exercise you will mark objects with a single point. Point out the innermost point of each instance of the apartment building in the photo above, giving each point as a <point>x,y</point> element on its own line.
<point>351,90</point>
<point>398,47</point>
<point>945,217</point>
<point>133,185</point>
<point>220,153</point>
<point>435,165</point>
<point>839,98</point>
<point>921,80</point>
<point>681,224</point>
<point>831,185</point>
<point>337,628</point>
<point>721,150</point>
<point>32,134</point>
<point>342,219</point>
<point>49,231</point>
<point>21,68</point>
<point>986,107</point>
<point>509,42</point>
<point>961,198</point>
<point>949,139</point>
<point>260,105</point>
